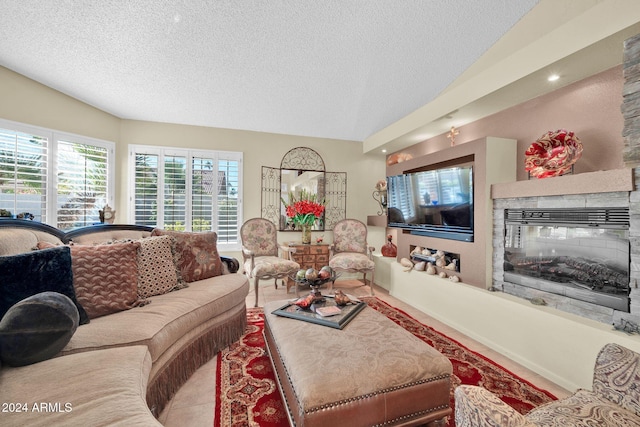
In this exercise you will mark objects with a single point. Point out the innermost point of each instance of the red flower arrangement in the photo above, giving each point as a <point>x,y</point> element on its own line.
<point>305,210</point>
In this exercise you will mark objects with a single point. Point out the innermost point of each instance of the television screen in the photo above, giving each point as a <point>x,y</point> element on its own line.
<point>436,202</point>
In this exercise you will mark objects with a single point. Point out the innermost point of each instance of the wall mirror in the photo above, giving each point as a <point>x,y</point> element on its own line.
<point>303,169</point>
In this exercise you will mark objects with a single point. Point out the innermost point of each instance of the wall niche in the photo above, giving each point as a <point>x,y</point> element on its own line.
<point>494,162</point>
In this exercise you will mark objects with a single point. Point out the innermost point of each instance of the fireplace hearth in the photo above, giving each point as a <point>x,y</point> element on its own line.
<point>579,253</point>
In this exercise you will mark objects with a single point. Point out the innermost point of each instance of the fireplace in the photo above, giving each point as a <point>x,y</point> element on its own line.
<point>579,253</point>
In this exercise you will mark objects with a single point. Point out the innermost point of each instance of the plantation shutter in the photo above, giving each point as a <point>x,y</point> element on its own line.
<point>401,191</point>
<point>188,190</point>
<point>146,189</point>
<point>228,190</point>
<point>23,173</point>
<point>175,192</point>
<point>204,188</point>
<point>81,183</point>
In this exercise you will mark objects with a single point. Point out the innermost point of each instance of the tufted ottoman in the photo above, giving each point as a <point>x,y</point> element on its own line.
<point>371,373</point>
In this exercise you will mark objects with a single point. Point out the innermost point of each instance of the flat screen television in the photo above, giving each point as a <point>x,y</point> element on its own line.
<point>436,202</point>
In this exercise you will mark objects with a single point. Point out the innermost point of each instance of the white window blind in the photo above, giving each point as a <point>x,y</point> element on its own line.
<point>23,173</point>
<point>190,190</point>
<point>402,192</point>
<point>175,191</point>
<point>82,183</point>
<point>61,179</point>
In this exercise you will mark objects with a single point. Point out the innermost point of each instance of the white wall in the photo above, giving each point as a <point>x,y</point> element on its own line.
<point>561,347</point>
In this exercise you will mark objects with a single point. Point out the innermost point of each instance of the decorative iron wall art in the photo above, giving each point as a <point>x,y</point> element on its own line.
<point>302,168</point>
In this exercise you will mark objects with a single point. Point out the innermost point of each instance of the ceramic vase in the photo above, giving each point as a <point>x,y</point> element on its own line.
<point>389,249</point>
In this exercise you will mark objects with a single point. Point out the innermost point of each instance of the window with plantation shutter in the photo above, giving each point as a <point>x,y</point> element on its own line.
<point>188,190</point>
<point>145,195</point>
<point>23,173</point>
<point>61,179</point>
<point>81,183</point>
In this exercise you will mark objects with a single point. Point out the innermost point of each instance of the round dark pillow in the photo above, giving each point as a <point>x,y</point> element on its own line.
<point>37,328</point>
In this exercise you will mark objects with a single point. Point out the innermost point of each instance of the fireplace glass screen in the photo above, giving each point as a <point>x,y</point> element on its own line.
<point>589,262</point>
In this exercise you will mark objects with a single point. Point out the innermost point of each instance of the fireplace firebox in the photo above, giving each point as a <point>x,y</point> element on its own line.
<point>582,254</point>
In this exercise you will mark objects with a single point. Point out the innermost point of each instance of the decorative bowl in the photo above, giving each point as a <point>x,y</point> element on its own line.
<point>553,154</point>
<point>316,283</point>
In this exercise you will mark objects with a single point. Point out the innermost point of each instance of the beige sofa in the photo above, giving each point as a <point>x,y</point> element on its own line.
<point>121,368</point>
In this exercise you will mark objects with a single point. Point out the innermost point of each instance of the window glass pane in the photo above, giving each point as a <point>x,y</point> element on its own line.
<point>146,189</point>
<point>23,173</point>
<point>228,184</point>
<point>175,183</point>
<point>204,186</point>
<point>81,184</point>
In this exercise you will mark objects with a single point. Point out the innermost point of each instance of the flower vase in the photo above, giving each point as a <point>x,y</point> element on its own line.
<point>306,234</point>
<point>389,249</point>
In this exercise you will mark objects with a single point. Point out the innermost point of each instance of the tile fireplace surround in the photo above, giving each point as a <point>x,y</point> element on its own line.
<point>587,190</point>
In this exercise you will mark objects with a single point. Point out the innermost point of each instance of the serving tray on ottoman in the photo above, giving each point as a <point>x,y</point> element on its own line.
<point>371,373</point>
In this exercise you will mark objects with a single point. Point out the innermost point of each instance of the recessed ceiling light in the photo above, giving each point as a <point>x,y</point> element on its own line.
<point>553,77</point>
<point>384,150</point>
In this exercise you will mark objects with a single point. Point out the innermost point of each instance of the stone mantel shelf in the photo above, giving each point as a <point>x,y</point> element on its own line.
<point>588,182</point>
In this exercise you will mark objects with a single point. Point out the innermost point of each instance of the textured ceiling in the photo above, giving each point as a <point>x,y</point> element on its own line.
<point>333,68</point>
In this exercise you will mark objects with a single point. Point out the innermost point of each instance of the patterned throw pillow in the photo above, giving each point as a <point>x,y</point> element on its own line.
<point>157,272</point>
<point>105,277</point>
<point>198,256</point>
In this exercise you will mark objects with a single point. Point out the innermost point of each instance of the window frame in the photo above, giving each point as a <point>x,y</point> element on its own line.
<point>54,137</point>
<point>189,154</point>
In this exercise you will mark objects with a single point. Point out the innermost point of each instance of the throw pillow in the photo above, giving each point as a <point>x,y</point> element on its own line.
<point>37,328</point>
<point>198,256</point>
<point>33,272</point>
<point>157,272</point>
<point>105,277</point>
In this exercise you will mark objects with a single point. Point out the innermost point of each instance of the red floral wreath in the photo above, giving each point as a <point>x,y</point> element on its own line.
<point>553,154</point>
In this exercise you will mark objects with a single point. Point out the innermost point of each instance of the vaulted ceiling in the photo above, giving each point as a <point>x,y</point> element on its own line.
<point>343,69</point>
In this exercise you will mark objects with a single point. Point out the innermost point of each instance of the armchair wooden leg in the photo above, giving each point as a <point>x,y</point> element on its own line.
<point>255,287</point>
<point>371,283</point>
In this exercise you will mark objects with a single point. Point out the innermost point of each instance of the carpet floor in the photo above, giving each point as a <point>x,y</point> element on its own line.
<point>247,393</point>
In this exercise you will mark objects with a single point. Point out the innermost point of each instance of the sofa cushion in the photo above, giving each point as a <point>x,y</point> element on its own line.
<point>33,272</point>
<point>168,318</point>
<point>37,328</point>
<point>157,269</point>
<point>198,256</point>
<point>106,388</point>
<point>105,277</point>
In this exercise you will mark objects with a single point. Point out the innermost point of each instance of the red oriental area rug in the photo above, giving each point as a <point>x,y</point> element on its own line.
<point>247,393</point>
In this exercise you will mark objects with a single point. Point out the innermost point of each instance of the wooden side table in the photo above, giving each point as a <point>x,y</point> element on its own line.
<point>313,256</point>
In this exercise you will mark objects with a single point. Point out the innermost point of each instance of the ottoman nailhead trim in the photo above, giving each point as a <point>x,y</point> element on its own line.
<point>368,395</point>
<point>410,416</point>
<point>275,371</point>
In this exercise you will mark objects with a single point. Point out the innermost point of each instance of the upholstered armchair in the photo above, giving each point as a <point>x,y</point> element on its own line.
<point>350,251</point>
<point>260,254</point>
<point>614,401</point>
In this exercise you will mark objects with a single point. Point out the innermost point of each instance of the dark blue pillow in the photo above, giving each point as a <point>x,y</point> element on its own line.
<point>33,272</point>
<point>37,328</point>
